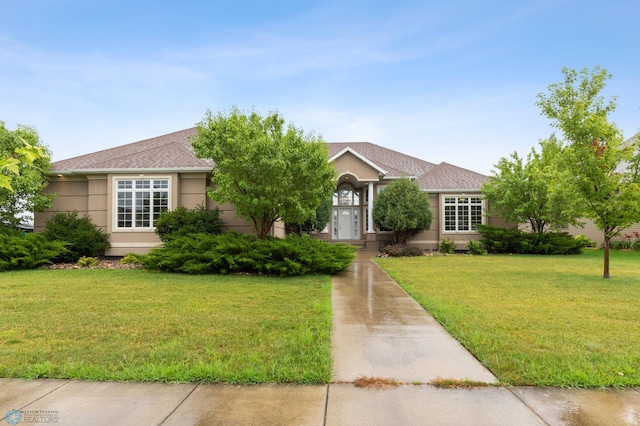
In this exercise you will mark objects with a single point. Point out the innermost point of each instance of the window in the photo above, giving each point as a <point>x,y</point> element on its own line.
<point>462,213</point>
<point>140,202</point>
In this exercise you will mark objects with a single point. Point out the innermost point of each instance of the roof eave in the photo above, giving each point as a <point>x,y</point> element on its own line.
<point>129,170</point>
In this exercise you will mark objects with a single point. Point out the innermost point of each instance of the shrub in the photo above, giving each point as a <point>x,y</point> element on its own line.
<point>447,246</point>
<point>626,242</point>
<point>476,248</point>
<point>505,240</point>
<point>83,238</point>
<point>28,251</point>
<point>181,222</point>
<point>131,259</point>
<point>399,250</point>
<point>87,262</point>
<point>586,242</point>
<point>236,253</point>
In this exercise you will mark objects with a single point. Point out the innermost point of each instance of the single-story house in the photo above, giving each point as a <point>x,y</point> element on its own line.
<point>124,189</point>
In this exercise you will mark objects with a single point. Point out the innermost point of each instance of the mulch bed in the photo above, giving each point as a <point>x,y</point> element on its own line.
<point>102,264</point>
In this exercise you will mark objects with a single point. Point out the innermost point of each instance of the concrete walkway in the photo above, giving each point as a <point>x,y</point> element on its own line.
<point>379,331</point>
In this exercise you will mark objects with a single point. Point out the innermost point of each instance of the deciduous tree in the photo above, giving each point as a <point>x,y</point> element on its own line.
<point>268,170</point>
<point>24,170</point>
<point>534,191</point>
<point>603,168</point>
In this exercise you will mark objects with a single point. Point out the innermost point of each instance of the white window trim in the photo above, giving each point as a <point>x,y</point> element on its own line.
<point>443,218</point>
<point>114,200</point>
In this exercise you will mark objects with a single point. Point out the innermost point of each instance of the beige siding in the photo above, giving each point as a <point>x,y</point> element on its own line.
<point>193,190</point>
<point>71,196</point>
<point>352,165</point>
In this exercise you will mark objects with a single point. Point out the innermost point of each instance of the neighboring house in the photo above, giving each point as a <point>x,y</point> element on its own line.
<point>124,189</point>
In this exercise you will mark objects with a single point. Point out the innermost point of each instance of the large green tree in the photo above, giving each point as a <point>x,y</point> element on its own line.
<point>268,170</point>
<point>603,167</point>
<point>534,191</point>
<point>403,208</point>
<point>24,169</point>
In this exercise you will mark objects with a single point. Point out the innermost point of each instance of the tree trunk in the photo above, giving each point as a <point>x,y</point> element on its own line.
<point>607,239</point>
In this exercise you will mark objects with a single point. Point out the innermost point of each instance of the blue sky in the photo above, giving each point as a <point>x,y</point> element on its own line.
<point>452,81</point>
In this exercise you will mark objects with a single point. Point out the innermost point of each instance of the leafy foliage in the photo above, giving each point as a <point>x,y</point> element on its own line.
<point>83,238</point>
<point>27,251</point>
<point>267,170</point>
<point>237,253</point>
<point>318,222</point>
<point>24,169</point>
<point>476,248</point>
<point>605,171</point>
<point>404,209</point>
<point>533,192</point>
<point>504,240</point>
<point>88,262</point>
<point>182,221</point>
<point>447,246</point>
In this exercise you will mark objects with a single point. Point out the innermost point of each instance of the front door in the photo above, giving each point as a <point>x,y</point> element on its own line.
<point>346,223</point>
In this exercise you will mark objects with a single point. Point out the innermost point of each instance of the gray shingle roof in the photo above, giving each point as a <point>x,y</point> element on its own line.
<point>174,151</point>
<point>171,151</point>
<point>449,177</point>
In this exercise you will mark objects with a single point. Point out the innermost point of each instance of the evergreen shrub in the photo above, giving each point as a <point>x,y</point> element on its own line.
<point>237,253</point>
<point>510,240</point>
<point>83,238</point>
<point>26,251</point>
<point>400,250</point>
<point>182,221</point>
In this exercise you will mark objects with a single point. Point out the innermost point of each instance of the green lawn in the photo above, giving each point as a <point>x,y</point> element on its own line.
<point>141,326</point>
<point>536,320</point>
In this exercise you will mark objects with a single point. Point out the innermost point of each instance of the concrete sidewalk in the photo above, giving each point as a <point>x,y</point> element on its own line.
<point>378,331</point>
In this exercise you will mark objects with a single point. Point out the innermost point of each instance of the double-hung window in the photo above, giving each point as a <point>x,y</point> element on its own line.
<point>462,213</point>
<point>140,202</point>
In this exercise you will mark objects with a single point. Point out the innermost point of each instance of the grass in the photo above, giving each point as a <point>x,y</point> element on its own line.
<point>536,320</point>
<point>134,325</point>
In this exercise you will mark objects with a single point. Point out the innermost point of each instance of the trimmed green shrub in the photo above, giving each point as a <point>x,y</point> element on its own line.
<point>181,222</point>
<point>447,246</point>
<point>476,248</point>
<point>27,251</point>
<point>505,240</point>
<point>237,253</point>
<point>399,250</point>
<point>83,238</point>
<point>131,259</point>
<point>87,262</point>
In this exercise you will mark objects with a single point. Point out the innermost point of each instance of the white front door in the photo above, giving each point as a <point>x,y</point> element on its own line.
<point>346,223</point>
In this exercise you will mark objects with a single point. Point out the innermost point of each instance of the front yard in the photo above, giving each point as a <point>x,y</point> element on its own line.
<point>536,320</point>
<point>141,326</point>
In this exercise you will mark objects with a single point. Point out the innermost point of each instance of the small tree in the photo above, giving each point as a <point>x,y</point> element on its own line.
<point>24,170</point>
<point>317,222</point>
<point>403,208</point>
<point>603,168</point>
<point>267,170</point>
<point>533,192</point>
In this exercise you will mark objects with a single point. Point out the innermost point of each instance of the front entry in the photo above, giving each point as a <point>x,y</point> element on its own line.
<point>346,223</point>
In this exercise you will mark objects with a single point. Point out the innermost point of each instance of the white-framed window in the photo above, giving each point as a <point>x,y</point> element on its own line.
<point>462,213</point>
<point>139,201</point>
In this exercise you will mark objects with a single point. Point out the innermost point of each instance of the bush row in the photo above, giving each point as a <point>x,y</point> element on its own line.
<point>236,253</point>
<point>503,240</point>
